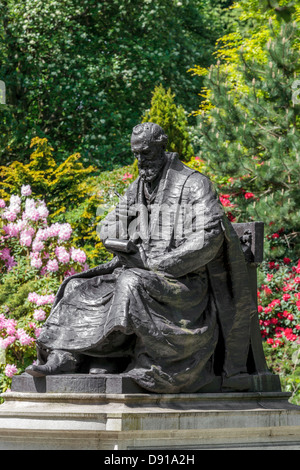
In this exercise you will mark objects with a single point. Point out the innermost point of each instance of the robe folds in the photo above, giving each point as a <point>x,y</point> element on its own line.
<point>167,319</point>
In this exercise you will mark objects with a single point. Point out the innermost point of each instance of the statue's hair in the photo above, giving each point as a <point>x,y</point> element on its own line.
<point>148,131</point>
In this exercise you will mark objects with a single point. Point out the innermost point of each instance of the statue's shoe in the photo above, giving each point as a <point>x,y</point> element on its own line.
<point>40,371</point>
<point>59,362</point>
<point>98,370</point>
<point>103,366</point>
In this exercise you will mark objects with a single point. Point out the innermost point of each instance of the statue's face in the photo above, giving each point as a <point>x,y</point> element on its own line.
<point>150,157</point>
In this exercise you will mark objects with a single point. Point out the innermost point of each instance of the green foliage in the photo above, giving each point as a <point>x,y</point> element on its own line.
<point>286,363</point>
<point>251,130</point>
<point>35,257</point>
<point>81,73</point>
<point>172,119</point>
<point>68,190</point>
<point>279,318</point>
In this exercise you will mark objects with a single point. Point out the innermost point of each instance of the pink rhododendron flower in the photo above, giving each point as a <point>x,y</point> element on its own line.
<point>52,265</point>
<point>10,263</point>
<point>78,255</point>
<point>2,321</point>
<point>36,262</point>
<point>25,238</point>
<point>23,337</point>
<point>12,230</point>
<point>37,245</point>
<point>33,297</point>
<point>70,272</point>
<point>11,326</point>
<point>39,315</point>
<point>9,215</point>
<point>9,340</point>
<point>15,204</point>
<point>65,231</point>
<point>54,229</point>
<point>26,190</point>
<point>10,370</point>
<point>37,332</point>
<point>31,211</point>
<point>49,299</point>
<point>43,211</point>
<point>2,203</point>
<point>5,253</point>
<point>62,254</point>
<point>40,299</point>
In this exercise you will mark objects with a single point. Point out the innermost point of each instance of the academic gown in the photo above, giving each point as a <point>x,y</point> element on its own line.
<point>167,318</point>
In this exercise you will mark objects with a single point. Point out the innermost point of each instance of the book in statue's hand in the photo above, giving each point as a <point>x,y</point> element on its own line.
<point>124,246</point>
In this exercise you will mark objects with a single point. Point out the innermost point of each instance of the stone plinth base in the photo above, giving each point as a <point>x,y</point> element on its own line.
<point>122,383</point>
<point>148,421</point>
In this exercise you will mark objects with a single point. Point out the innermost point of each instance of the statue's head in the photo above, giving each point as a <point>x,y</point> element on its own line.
<point>148,144</point>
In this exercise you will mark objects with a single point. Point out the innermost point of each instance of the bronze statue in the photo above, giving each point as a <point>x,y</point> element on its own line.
<point>173,308</point>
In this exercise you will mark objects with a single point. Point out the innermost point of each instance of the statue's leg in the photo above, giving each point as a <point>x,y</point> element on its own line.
<point>54,362</point>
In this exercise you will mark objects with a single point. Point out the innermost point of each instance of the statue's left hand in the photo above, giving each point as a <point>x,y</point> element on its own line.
<point>134,260</point>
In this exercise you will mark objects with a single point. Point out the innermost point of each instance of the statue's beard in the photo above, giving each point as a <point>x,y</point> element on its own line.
<point>149,174</point>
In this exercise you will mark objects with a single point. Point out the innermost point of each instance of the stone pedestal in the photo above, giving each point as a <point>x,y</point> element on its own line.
<point>141,421</point>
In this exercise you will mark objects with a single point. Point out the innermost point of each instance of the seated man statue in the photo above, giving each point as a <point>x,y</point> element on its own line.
<point>178,281</point>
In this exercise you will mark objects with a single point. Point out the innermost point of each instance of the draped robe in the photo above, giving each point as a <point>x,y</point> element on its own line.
<point>167,318</point>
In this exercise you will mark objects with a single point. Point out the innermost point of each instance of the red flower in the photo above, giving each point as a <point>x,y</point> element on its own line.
<point>275,302</point>
<point>290,336</point>
<point>286,297</point>
<point>267,291</point>
<point>272,264</point>
<point>231,217</point>
<point>224,198</point>
<point>260,309</point>
<point>286,260</point>
<point>248,195</point>
<point>275,235</point>
<point>127,176</point>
